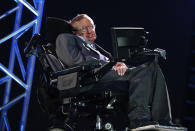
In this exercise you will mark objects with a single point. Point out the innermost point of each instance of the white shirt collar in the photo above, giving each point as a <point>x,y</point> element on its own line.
<point>82,38</point>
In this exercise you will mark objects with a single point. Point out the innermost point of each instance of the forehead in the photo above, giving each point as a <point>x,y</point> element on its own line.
<point>86,22</point>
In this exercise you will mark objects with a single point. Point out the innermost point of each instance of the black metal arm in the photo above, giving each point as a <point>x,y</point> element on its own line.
<point>70,70</point>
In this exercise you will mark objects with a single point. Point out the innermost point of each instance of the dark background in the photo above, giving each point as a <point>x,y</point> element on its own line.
<point>170,23</point>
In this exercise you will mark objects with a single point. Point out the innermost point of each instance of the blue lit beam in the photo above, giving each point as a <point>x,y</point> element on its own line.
<point>9,12</point>
<point>4,69</point>
<point>21,33</point>
<point>39,4</point>
<point>35,4</point>
<point>8,86</point>
<point>30,24</point>
<point>7,123</point>
<point>11,103</point>
<point>20,60</point>
<point>31,8</point>
<point>30,68</point>
<point>4,79</point>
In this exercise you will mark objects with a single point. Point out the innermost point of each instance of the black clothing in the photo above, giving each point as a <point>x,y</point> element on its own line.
<point>148,96</point>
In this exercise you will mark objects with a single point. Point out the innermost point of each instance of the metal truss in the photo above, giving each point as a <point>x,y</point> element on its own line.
<point>27,73</point>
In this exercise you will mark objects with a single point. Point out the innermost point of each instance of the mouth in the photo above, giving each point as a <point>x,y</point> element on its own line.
<point>91,35</point>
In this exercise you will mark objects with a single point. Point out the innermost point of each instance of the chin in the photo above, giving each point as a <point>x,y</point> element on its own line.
<point>91,39</point>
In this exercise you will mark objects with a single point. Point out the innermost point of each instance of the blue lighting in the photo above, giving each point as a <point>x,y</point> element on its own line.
<point>18,31</point>
<point>189,118</point>
<point>190,85</point>
<point>4,79</point>
<point>9,12</point>
<point>13,76</point>
<point>27,72</point>
<point>25,3</point>
<point>193,68</point>
<point>190,102</point>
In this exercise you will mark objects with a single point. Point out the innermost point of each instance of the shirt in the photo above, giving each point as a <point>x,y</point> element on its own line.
<point>92,46</point>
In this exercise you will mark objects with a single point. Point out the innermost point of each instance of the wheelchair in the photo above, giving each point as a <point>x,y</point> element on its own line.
<point>82,106</point>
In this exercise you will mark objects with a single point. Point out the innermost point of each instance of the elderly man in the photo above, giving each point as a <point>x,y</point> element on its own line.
<point>148,97</point>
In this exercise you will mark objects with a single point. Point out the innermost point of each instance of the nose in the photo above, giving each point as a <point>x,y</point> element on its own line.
<point>89,30</point>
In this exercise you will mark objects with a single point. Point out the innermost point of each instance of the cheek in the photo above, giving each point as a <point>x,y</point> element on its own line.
<point>90,37</point>
<point>86,38</point>
<point>94,35</point>
<point>93,32</point>
<point>83,35</point>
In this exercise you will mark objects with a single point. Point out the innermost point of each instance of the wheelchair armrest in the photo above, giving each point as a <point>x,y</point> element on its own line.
<point>88,66</point>
<point>70,70</point>
<point>104,69</point>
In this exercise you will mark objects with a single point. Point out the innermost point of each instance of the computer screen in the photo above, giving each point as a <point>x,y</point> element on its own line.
<point>126,39</point>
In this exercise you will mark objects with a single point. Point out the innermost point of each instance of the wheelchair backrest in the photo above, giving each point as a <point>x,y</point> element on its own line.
<point>54,27</point>
<point>47,54</point>
<point>54,63</point>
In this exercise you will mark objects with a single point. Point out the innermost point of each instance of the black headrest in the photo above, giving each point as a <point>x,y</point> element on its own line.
<point>56,26</point>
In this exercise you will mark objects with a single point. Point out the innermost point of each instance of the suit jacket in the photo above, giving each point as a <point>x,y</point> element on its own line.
<point>72,50</point>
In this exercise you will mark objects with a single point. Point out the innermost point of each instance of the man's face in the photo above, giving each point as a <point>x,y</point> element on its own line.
<point>87,29</point>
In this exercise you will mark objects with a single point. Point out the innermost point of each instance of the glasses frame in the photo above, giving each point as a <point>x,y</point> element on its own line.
<point>86,28</point>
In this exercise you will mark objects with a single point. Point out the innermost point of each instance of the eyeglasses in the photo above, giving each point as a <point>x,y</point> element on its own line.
<point>86,28</point>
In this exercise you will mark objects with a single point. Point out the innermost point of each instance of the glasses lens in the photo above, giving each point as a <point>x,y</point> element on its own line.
<point>91,27</point>
<point>84,29</point>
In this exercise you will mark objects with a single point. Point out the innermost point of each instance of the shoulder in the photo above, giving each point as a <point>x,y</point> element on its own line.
<point>68,41</point>
<point>68,37</point>
<point>65,35</point>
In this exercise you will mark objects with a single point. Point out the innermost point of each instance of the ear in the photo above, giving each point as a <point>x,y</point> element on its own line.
<point>74,32</point>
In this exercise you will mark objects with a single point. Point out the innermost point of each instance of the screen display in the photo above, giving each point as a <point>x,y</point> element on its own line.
<point>125,39</point>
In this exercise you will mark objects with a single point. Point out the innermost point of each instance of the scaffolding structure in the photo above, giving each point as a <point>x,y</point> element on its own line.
<point>27,72</point>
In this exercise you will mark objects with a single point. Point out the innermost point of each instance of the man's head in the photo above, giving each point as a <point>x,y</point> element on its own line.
<point>84,26</point>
